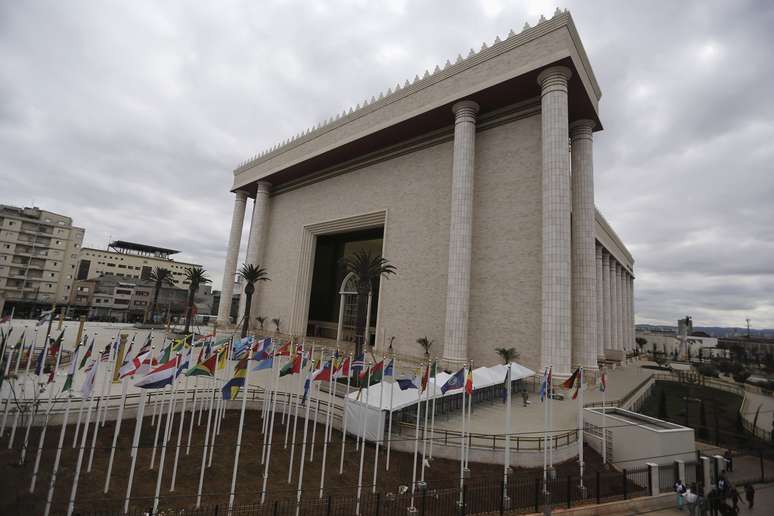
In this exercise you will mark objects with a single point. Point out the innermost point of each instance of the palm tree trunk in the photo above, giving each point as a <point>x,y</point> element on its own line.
<point>360,320</point>
<point>246,321</point>
<point>189,311</point>
<point>153,305</point>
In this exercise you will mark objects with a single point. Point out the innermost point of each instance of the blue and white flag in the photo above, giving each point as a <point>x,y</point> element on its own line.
<point>358,363</point>
<point>407,383</point>
<point>45,317</point>
<point>544,384</point>
<point>241,347</point>
<point>266,363</point>
<point>160,377</point>
<point>264,349</point>
<point>456,381</point>
<point>389,370</point>
<point>40,361</point>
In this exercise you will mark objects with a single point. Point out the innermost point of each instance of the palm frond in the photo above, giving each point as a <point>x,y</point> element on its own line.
<point>507,354</point>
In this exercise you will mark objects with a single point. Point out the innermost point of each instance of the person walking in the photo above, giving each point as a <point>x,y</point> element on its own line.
<point>734,493</point>
<point>729,457</point>
<point>749,494</point>
<point>680,489</point>
<point>690,499</point>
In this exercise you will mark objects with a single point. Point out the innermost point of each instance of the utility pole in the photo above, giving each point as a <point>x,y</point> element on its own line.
<point>748,327</point>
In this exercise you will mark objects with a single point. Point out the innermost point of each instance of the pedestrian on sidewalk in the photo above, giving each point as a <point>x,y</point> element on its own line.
<point>734,493</point>
<point>690,499</point>
<point>680,489</point>
<point>749,494</point>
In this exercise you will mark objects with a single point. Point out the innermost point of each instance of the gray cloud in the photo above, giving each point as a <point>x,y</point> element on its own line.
<point>130,116</point>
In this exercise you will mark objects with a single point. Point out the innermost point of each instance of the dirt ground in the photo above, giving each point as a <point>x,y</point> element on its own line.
<point>14,488</point>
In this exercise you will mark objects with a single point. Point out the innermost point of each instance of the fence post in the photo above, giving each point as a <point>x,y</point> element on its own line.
<point>537,495</point>
<point>763,474</point>
<point>214,514</point>
<point>502,497</point>
<point>705,477</point>
<point>625,486</point>
<point>276,507</point>
<point>598,498</point>
<point>569,491</point>
<point>328,506</point>
<point>378,503</point>
<point>654,486</point>
<point>424,500</point>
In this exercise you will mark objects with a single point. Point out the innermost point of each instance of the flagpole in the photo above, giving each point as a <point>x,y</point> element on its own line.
<point>193,416</point>
<point>295,416</point>
<point>158,425</point>
<point>5,375</point>
<point>461,501</point>
<point>271,429</point>
<point>346,401</point>
<point>316,412</point>
<point>293,402</point>
<point>112,361</point>
<point>363,432</point>
<point>52,481</point>
<point>306,428</point>
<point>506,468</point>
<point>328,420</point>
<point>604,421</point>
<point>164,439</point>
<point>546,400</point>
<point>381,427</point>
<point>205,445</point>
<point>17,382</point>
<point>80,408</point>
<point>135,450</point>
<point>580,423</point>
<point>82,448</point>
<point>34,408</point>
<point>271,403</point>
<point>105,380</point>
<point>180,432</point>
<point>470,421</point>
<point>416,446</point>
<point>432,417</point>
<point>424,426</point>
<point>119,419</point>
<point>389,425</point>
<point>232,493</point>
<point>48,415</point>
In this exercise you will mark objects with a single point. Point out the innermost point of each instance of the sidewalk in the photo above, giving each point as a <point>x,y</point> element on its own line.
<point>764,504</point>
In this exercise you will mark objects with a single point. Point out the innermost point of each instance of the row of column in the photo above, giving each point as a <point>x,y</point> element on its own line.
<point>615,319</point>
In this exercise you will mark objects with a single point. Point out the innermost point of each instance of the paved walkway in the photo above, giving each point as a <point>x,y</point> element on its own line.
<point>764,504</point>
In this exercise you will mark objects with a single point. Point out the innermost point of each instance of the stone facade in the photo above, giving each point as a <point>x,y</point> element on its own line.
<point>487,212</point>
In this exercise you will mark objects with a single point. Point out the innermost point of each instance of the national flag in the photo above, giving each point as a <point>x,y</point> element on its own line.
<point>578,383</point>
<point>602,381</point>
<point>306,390</point>
<point>88,381</point>
<point>507,383</point>
<point>342,370</point>
<point>105,355</point>
<point>68,384</point>
<point>406,383</point>
<point>389,370</point>
<point>425,377</point>
<point>283,350</point>
<point>159,377</point>
<point>206,368</point>
<point>292,367</point>
<point>263,349</point>
<point>45,317</point>
<point>299,361</point>
<point>39,363</point>
<point>469,382</point>
<point>231,389</point>
<point>266,363</point>
<point>88,353</point>
<point>323,374</point>
<point>376,372</point>
<point>54,348</point>
<point>242,347</point>
<point>358,363</point>
<point>456,381</point>
<point>223,356</point>
<point>185,361</point>
<point>128,363</point>
<point>131,367</point>
<point>570,382</point>
<point>545,384</point>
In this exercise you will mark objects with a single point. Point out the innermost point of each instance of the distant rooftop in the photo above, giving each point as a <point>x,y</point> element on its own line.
<point>122,246</point>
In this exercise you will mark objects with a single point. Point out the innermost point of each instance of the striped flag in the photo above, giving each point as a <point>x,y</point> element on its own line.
<point>68,385</point>
<point>45,317</point>
<point>544,385</point>
<point>88,382</point>
<point>231,389</point>
<point>160,377</point>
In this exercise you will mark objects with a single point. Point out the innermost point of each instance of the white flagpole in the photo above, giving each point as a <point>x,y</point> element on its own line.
<point>82,448</point>
<point>8,397</point>
<point>580,423</point>
<point>381,426</point>
<point>551,427</point>
<point>167,431</point>
<point>316,412</point>
<point>52,481</point>
<point>366,409</point>
<point>34,409</point>
<point>462,439</point>
<point>193,415</point>
<point>604,424</point>
<point>112,361</point>
<point>389,425</point>
<point>135,450</point>
<point>272,402</point>
<point>105,381</point>
<point>346,400</point>
<point>432,417</point>
<point>205,445</point>
<point>17,383</point>
<point>547,397</point>
<point>271,430</point>
<point>306,428</point>
<point>292,402</point>
<point>295,416</point>
<point>424,426</point>
<point>215,404</point>
<point>158,425</point>
<point>416,445</point>
<point>328,422</point>
<point>45,424</point>
<point>80,408</point>
<point>232,493</point>
<point>180,431</point>
<point>202,403</point>
<point>119,419</point>
<point>470,421</point>
<point>507,466</point>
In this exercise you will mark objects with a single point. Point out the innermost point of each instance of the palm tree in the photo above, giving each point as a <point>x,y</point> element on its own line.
<point>426,344</point>
<point>367,267</point>
<point>250,274</point>
<point>196,276</point>
<point>507,354</point>
<point>160,277</point>
<point>261,319</point>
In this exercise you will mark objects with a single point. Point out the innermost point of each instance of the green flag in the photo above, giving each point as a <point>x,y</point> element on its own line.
<point>87,355</point>
<point>68,385</point>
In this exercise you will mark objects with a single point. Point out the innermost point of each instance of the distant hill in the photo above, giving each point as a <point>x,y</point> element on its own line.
<point>713,331</point>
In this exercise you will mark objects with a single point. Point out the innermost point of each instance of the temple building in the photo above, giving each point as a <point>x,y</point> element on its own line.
<point>476,181</point>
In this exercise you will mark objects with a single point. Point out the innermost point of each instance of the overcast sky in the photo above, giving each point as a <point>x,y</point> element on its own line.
<point>130,117</point>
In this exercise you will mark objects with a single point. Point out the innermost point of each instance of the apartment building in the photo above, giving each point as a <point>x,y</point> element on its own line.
<point>39,251</point>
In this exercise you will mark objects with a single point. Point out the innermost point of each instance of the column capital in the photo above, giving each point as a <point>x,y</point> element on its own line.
<point>554,77</point>
<point>465,109</point>
<point>262,187</point>
<point>582,129</point>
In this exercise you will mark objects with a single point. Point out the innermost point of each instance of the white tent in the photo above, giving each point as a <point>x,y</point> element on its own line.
<point>357,408</point>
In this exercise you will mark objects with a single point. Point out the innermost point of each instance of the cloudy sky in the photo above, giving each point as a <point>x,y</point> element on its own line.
<point>130,117</point>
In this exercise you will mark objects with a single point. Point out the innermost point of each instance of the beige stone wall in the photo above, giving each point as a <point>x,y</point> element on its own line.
<point>414,189</point>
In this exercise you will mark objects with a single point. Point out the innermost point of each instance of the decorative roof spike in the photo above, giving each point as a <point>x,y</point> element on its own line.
<point>526,26</point>
<point>389,91</point>
<point>373,99</point>
<point>406,84</point>
<point>416,79</point>
<point>437,69</point>
<point>381,95</point>
<point>447,65</point>
<point>471,53</point>
<point>497,40</point>
<point>542,19</point>
<point>558,12</point>
<point>459,58</point>
<point>397,86</point>
<point>427,74</point>
<point>350,111</point>
<point>511,33</point>
<point>483,46</point>
<point>357,106</point>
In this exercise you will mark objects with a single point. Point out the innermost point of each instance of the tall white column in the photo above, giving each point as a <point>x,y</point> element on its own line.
<point>257,235</point>
<point>607,298</point>
<point>631,311</point>
<point>584,272</point>
<point>615,284</point>
<point>455,347</point>
<point>627,315</point>
<point>622,308</point>
<point>556,302</point>
<point>600,303</point>
<point>232,255</point>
